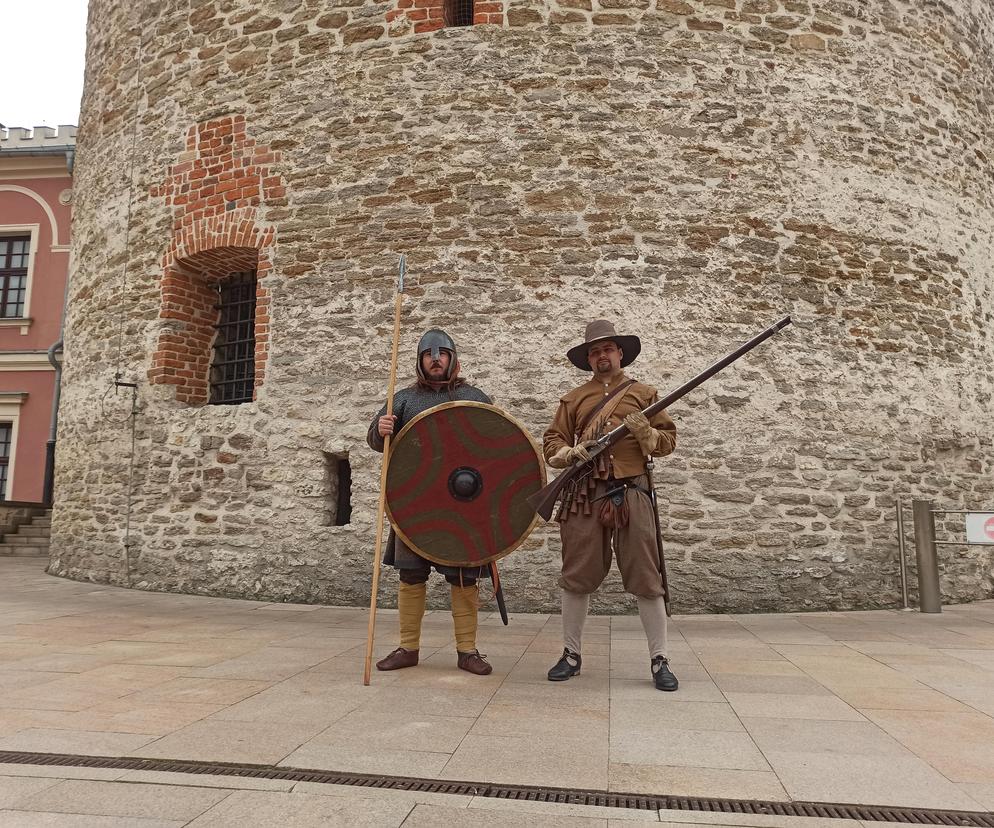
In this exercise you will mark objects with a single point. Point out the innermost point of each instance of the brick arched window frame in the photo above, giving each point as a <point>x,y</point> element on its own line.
<point>219,190</point>
<point>191,291</point>
<point>430,15</point>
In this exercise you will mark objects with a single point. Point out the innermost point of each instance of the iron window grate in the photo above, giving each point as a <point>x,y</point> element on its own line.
<point>631,801</point>
<point>232,376</point>
<point>459,12</point>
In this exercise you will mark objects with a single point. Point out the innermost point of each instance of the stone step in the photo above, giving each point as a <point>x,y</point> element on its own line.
<point>31,532</point>
<point>25,540</point>
<point>45,521</point>
<point>22,551</point>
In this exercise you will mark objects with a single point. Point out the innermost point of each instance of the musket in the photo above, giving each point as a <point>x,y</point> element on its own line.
<point>544,500</point>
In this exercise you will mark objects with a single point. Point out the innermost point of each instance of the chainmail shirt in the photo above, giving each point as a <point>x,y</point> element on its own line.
<point>407,404</point>
<point>411,401</point>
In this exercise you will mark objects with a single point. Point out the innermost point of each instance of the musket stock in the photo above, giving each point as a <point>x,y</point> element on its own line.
<point>544,500</point>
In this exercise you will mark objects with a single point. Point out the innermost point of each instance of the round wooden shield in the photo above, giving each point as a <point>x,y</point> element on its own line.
<point>458,480</point>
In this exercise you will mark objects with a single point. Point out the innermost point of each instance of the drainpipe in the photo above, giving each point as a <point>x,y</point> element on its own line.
<point>49,484</point>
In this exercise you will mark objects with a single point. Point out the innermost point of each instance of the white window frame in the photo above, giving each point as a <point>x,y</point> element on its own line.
<point>24,321</point>
<point>10,412</point>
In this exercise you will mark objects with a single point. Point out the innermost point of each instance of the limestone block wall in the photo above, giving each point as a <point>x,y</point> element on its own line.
<point>692,169</point>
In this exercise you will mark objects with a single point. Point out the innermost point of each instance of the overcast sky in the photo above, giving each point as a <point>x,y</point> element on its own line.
<point>42,74</point>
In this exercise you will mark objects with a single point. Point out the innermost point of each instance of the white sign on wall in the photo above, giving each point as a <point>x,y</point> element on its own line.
<point>980,527</point>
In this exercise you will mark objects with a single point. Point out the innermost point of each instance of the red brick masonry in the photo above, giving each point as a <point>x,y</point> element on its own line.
<point>429,15</point>
<point>216,192</point>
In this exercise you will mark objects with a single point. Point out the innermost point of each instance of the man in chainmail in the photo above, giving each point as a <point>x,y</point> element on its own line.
<point>437,382</point>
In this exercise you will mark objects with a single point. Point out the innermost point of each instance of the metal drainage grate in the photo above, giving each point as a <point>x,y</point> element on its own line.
<point>526,793</point>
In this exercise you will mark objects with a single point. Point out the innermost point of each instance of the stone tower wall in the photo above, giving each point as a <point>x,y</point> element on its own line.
<point>691,169</point>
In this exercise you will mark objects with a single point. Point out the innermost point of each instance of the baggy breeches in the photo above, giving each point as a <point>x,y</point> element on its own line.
<point>588,547</point>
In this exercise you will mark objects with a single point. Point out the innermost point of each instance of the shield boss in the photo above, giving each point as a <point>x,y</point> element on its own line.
<point>458,481</point>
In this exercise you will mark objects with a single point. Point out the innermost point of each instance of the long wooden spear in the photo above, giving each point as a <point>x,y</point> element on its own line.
<point>383,474</point>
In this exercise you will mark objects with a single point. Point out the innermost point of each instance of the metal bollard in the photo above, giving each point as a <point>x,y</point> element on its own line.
<point>929,598</point>
<point>903,556</point>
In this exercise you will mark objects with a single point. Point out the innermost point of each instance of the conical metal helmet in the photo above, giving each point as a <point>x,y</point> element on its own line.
<point>436,340</point>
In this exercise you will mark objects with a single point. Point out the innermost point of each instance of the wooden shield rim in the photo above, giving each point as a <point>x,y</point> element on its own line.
<point>465,404</point>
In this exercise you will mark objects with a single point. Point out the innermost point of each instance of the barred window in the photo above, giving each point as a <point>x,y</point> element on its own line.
<point>6,430</point>
<point>232,376</point>
<point>458,12</point>
<point>14,252</point>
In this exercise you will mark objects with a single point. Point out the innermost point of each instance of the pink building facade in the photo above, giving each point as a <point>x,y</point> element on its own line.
<point>35,213</point>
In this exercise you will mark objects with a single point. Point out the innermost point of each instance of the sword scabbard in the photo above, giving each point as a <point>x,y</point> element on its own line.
<point>498,592</point>
<point>659,537</point>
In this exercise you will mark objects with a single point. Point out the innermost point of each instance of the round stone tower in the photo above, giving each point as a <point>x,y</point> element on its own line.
<point>690,169</point>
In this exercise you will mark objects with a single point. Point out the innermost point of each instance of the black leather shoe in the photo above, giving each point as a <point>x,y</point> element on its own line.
<point>567,667</point>
<point>661,675</point>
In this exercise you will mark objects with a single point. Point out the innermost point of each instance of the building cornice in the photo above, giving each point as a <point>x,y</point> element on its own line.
<point>39,153</point>
<point>15,166</point>
<point>25,361</point>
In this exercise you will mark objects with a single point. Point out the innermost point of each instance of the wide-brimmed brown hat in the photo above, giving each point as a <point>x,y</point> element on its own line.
<point>598,330</point>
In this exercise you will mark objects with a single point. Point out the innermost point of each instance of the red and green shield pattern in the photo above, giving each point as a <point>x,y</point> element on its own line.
<point>458,480</point>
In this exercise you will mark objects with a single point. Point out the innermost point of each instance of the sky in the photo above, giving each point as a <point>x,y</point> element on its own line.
<point>41,79</point>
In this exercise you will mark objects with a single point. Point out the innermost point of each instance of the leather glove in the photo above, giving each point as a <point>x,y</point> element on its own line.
<point>647,436</point>
<point>568,455</point>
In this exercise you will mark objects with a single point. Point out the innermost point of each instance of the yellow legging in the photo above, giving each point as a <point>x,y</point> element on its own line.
<point>465,603</point>
<point>411,611</point>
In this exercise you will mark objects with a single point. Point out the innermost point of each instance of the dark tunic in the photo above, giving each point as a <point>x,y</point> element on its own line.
<point>407,404</point>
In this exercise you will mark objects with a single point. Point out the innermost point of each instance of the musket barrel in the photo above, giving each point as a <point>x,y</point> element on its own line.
<point>616,434</point>
<point>544,500</point>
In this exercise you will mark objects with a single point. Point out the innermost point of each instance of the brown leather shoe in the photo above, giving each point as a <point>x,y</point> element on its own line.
<point>398,660</point>
<point>475,662</point>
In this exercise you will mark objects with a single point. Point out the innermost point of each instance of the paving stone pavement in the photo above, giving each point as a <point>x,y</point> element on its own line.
<point>883,707</point>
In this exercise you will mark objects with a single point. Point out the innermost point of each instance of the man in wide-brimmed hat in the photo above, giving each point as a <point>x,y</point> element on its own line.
<point>610,512</point>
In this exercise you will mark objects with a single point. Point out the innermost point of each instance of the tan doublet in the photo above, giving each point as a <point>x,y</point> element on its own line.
<point>626,457</point>
<point>587,546</point>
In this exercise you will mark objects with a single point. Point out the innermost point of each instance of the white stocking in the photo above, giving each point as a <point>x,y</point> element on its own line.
<point>574,615</point>
<point>652,613</point>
